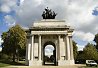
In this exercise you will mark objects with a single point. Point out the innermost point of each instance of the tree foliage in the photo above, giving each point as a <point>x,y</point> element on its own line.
<point>96,40</point>
<point>80,55</point>
<point>75,51</point>
<point>14,40</point>
<point>90,52</point>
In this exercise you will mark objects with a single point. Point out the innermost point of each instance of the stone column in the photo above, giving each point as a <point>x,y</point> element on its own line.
<point>28,46</point>
<point>32,43</point>
<point>68,47</point>
<point>56,59</point>
<point>39,47</point>
<point>28,51</point>
<point>59,47</point>
<point>71,48</point>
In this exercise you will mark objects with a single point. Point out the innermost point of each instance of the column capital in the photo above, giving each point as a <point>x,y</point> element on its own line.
<point>70,36</point>
<point>59,36</point>
<point>39,35</point>
<point>32,35</point>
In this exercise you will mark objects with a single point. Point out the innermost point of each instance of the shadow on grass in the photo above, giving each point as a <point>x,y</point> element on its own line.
<point>4,63</point>
<point>49,65</point>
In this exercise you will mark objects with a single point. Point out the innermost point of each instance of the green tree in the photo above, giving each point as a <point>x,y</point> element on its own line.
<point>4,35</point>
<point>96,40</point>
<point>75,51</point>
<point>80,55</point>
<point>90,52</point>
<point>14,40</point>
<point>5,44</point>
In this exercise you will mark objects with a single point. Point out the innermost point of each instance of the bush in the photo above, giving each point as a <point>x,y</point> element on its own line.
<point>4,56</point>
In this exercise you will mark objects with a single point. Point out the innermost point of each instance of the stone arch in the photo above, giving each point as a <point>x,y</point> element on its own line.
<point>49,43</point>
<point>54,52</point>
<point>53,32</point>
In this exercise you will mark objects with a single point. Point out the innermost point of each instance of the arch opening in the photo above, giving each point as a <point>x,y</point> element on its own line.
<point>49,53</point>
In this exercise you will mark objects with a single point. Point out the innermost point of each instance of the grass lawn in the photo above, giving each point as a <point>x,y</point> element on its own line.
<point>89,67</point>
<point>5,63</point>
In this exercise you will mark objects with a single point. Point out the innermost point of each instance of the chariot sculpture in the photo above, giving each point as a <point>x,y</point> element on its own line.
<point>48,14</point>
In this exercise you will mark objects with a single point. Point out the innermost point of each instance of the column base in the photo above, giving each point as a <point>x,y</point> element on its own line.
<point>33,63</point>
<point>65,62</point>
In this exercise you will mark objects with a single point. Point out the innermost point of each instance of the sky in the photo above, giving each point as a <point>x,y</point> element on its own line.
<point>49,50</point>
<point>81,15</point>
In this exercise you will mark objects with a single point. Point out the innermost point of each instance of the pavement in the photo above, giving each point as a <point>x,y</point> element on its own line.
<point>71,66</point>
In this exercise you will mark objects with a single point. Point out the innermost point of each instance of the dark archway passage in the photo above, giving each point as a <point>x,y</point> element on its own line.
<point>49,53</point>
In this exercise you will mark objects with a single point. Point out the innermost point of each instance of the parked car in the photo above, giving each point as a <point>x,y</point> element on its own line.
<point>91,63</point>
<point>80,61</point>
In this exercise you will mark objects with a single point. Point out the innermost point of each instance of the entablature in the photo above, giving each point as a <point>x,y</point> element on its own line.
<point>48,32</point>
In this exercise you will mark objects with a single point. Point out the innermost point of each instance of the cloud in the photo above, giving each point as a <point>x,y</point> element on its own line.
<point>80,47</point>
<point>8,5</point>
<point>84,36</point>
<point>21,2</point>
<point>0,49</point>
<point>96,8</point>
<point>1,41</point>
<point>9,20</point>
<point>27,14</point>
<point>5,8</point>
<point>49,50</point>
<point>77,13</point>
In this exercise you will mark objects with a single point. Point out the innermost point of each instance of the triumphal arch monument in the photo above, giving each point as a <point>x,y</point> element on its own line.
<point>49,31</point>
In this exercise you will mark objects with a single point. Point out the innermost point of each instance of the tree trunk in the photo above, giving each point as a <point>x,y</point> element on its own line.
<point>17,55</point>
<point>14,56</point>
